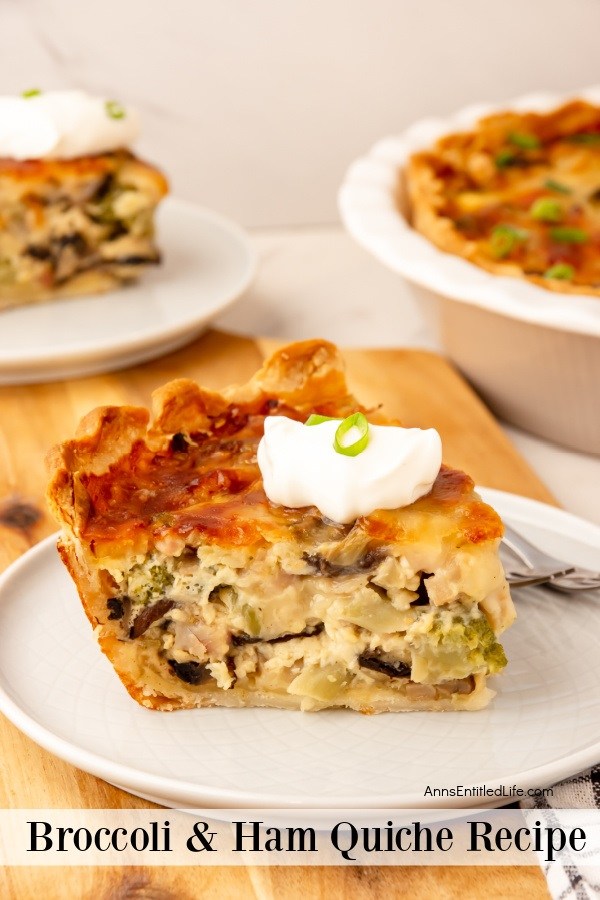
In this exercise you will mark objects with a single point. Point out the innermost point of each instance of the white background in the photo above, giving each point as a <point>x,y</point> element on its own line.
<point>255,107</point>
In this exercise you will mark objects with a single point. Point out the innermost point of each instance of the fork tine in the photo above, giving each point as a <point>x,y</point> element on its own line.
<point>575,583</point>
<point>516,544</point>
<point>538,561</point>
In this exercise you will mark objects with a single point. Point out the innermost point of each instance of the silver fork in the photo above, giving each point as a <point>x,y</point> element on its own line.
<point>538,567</point>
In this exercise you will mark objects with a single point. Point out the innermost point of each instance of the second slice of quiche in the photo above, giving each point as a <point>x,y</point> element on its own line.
<point>203,592</point>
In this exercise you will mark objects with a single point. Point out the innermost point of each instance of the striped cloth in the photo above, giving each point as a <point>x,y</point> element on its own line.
<point>569,882</point>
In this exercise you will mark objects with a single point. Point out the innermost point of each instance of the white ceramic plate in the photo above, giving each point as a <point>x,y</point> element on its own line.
<point>543,725</point>
<point>370,202</point>
<point>207,264</point>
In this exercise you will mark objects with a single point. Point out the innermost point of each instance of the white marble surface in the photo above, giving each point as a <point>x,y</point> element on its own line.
<point>316,282</point>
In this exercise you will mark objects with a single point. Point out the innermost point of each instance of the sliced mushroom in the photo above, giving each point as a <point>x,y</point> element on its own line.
<point>421,691</point>
<point>135,259</point>
<point>456,686</point>
<point>116,607</point>
<point>422,595</point>
<point>377,664</point>
<point>149,616</point>
<point>323,566</point>
<point>190,672</point>
<point>239,640</point>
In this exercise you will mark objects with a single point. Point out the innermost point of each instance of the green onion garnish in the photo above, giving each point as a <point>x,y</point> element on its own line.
<point>547,209</point>
<point>505,238</point>
<point>569,235</point>
<point>505,158</point>
<point>563,271</point>
<point>356,420</point>
<point>114,109</point>
<point>316,419</point>
<point>553,185</point>
<point>524,141</point>
<point>585,137</point>
<point>31,92</point>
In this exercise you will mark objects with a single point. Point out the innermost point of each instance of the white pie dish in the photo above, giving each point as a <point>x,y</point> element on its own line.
<point>533,354</point>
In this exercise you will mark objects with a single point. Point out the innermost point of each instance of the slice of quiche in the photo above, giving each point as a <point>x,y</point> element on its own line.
<point>203,592</point>
<point>75,226</point>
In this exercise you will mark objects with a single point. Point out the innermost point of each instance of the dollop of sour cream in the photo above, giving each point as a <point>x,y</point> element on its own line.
<point>64,125</point>
<point>300,467</point>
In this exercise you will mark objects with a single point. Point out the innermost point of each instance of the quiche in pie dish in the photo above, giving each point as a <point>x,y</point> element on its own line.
<point>203,592</point>
<point>519,195</point>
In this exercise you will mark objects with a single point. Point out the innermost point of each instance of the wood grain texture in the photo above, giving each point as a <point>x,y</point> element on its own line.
<point>418,387</point>
<point>297,883</point>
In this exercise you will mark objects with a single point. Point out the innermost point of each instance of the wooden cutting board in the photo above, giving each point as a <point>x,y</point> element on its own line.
<point>421,389</point>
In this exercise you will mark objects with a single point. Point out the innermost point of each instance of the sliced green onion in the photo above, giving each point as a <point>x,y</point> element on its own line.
<point>569,235</point>
<point>547,209</point>
<point>31,92</point>
<point>553,185</point>
<point>524,141</point>
<point>585,137</point>
<point>316,419</point>
<point>505,158</point>
<point>114,109</point>
<point>356,420</point>
<point>505,238</point>
<point>563,271</point>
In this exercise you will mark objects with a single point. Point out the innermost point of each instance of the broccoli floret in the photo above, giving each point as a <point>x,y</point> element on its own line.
<point>455,647</point>
<point>159,580</point>
<point>486,649</point>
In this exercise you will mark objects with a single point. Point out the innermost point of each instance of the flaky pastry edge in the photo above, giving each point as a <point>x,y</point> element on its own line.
<point>302,374</point>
